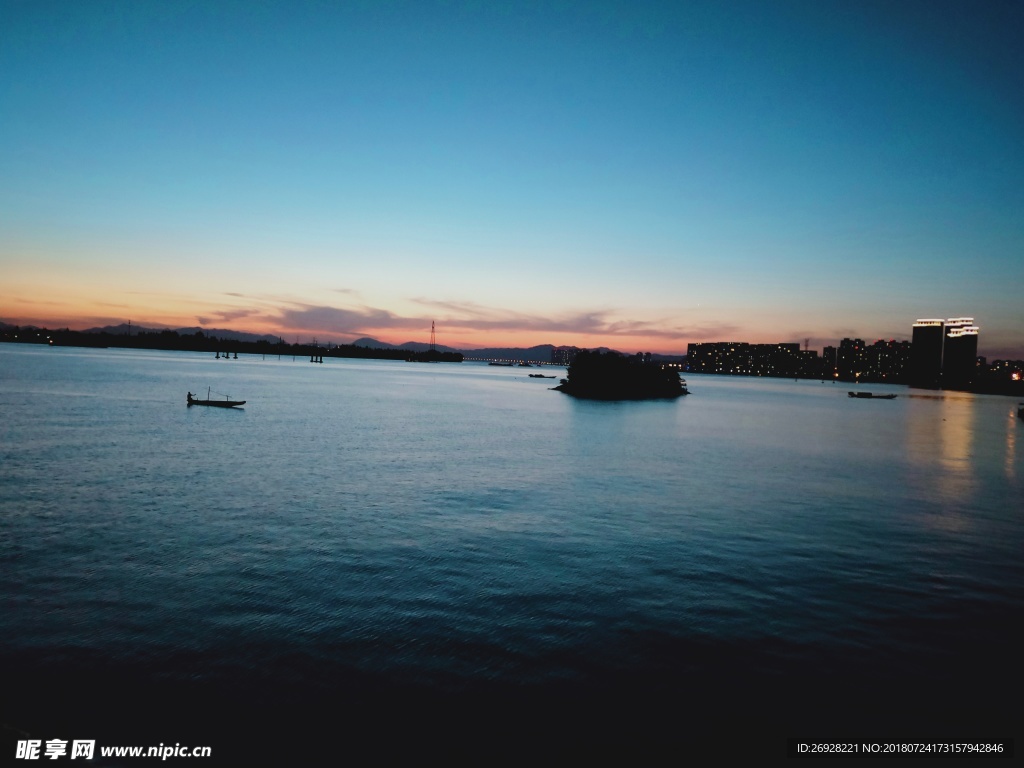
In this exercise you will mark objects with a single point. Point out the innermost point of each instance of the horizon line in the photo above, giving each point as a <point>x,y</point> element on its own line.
<point>604,345</point>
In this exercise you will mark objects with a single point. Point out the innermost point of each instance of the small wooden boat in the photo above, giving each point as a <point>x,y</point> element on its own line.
<point>225,403</point>
<point>872,396</point>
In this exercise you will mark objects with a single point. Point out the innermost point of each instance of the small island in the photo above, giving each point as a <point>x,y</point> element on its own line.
<point>611,376</point>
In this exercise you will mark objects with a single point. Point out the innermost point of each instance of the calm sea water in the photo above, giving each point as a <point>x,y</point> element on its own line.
<point>455,550</point>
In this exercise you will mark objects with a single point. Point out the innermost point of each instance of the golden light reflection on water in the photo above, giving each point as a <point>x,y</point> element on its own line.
<point>960,434</point>
<point>1011,444</point>
<point>941,429</point>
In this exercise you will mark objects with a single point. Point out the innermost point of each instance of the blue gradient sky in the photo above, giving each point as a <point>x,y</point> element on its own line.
<point>635,175</point>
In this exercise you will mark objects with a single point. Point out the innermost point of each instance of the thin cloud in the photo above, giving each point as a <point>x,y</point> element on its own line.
<point>601,322</point>
<point>40,302</point>
<point>845,333</point>
<point>225,316</point>
<point>458,317</point>
<point>464,308</point>
<point>344,321</point>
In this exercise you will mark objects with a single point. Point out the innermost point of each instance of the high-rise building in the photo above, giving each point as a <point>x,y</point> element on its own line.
<point>739,358</point>
<point>563,355</point>
<point>926,354</point>
<point>850,359</point>
<point>944,353</point>
<point>886,361</point>
<point>960,353</point>
<point>829,363</point>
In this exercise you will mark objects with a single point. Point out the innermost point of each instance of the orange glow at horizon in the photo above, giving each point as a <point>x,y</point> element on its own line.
<point>80,316</point>
<point>328,318</point>
<point>461,337</point>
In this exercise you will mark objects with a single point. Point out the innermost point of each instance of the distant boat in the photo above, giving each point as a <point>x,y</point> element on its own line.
<point>539,376</point>
<point>503,365</point>
<point>872,396</point>
<point>216,403</point>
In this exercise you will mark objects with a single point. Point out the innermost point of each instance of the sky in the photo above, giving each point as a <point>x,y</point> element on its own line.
<point>637,175</point>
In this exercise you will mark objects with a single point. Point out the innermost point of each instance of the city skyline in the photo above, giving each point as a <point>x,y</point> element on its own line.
<point>637,177</point>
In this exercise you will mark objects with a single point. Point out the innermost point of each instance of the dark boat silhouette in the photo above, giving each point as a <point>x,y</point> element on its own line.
<point>225,403</point>
<point>871,396</point>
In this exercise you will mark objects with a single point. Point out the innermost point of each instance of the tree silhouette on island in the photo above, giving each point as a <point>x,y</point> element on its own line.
<point>611,376</point>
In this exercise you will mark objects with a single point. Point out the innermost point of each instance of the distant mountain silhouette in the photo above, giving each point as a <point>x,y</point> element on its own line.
<point>419,346</point>
<point>366,341</point>
<point>222,333</point>
<point>537,354</point>
<point>123,329</point>
<point>215,333</point>
<point>411,346</point>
